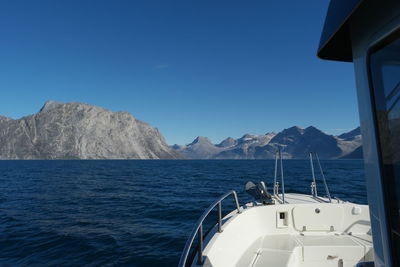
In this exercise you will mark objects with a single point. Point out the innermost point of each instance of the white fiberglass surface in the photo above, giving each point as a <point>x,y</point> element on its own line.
<point>316,218</point>
<point>260,237</point>
<point>267,257</point>
<point>327,240</point>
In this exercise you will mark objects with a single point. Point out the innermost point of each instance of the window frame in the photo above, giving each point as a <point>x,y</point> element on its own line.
<point>387,176</point>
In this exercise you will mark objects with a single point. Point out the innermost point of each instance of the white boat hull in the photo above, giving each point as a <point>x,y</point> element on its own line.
<point>302,232</point>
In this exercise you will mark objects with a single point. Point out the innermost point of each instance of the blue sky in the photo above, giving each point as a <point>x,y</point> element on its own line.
<point>200,67</point>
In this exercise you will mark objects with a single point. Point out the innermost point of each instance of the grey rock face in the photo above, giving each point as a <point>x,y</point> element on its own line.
<point>245,147</point>
<point>228,142</point>
<point>200,148</point>
<point>356,154</point>
<point>80,131</point>
<point>350,144</point>
<point>294,142</point>
<point>351,135</point>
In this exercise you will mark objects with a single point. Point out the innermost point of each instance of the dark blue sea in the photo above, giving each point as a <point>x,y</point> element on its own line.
<point>131,213</point>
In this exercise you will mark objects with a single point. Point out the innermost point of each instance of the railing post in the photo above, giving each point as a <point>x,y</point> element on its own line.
<point>236,202</point>
<point>276,173</point>
<point>315,192</point>
<point>198,230</point>
<point>313,189</point>
<point>276,189</point>
<point>323,178</point>
<point>200,245</point>
<point>283,180</point>
<point>219,217</point>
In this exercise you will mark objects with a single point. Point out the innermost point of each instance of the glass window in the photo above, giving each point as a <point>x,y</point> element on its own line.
<point>385,79</point>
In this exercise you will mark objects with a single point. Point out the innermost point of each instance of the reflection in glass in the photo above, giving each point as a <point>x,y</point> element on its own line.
<point>385,74</point>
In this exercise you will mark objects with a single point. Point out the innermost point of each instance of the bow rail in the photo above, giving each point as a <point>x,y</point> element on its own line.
<point>198,229</point>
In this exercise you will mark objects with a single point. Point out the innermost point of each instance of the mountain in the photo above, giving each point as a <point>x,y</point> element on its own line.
<point>356,154</point>
<point>3,118</point>
<point>294,142</point>
<point>80,131</point>
<point>200,148</point>
<point>228,142</point>
<point>245,147</point>
<point>350,144</point>
<point>352,134</point>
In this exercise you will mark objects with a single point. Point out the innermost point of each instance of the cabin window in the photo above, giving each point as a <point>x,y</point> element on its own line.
<point>385,82</point>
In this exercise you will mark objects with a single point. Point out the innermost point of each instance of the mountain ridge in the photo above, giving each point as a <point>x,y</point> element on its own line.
<point>295,142</point>
<point>80,131</point>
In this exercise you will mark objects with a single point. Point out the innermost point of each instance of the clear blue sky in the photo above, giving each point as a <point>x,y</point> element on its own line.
<point>195,67</point>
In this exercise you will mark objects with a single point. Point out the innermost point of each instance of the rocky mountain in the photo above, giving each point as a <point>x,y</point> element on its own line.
<point>356,154</point>
<point>245,147</point>
<point>200,148</point>
<point>294,142</point>
<point>351,135</point>
<point>228,142</point>
<point>350,144</point>
<point>80,131</point>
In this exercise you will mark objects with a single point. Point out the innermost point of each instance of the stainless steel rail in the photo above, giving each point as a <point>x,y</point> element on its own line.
<point>278,155</point>
<point>198,229</point>
<point>276,184</point>
<point>323,178</point>
<point>282,180</point>
<point>314,192</point>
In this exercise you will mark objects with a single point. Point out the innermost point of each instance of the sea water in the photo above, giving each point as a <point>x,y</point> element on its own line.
<point>132,212</point>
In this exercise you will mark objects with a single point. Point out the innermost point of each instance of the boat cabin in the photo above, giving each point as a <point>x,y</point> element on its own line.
<point>367,33</point>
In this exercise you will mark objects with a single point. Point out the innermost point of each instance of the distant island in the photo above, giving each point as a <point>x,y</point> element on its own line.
<point>83,131</point>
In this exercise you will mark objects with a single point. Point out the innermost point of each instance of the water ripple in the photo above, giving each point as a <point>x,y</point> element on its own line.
<point>130,213</point>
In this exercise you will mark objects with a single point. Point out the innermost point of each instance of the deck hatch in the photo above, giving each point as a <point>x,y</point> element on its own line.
<point>307,217</point>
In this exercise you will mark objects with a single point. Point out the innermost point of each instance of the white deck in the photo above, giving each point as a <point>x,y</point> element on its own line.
<point>302,232</point>
<point>301,199</point>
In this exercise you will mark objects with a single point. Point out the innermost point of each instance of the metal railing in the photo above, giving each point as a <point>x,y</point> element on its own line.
<point>314,191</point>
<point>278,155</point>
<point>198,229</point>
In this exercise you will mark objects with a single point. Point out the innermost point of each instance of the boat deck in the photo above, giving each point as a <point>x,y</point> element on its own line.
<point>304,231</point>
<point>311,250</point>
<point>301,199</point>
<point>284,229</point>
